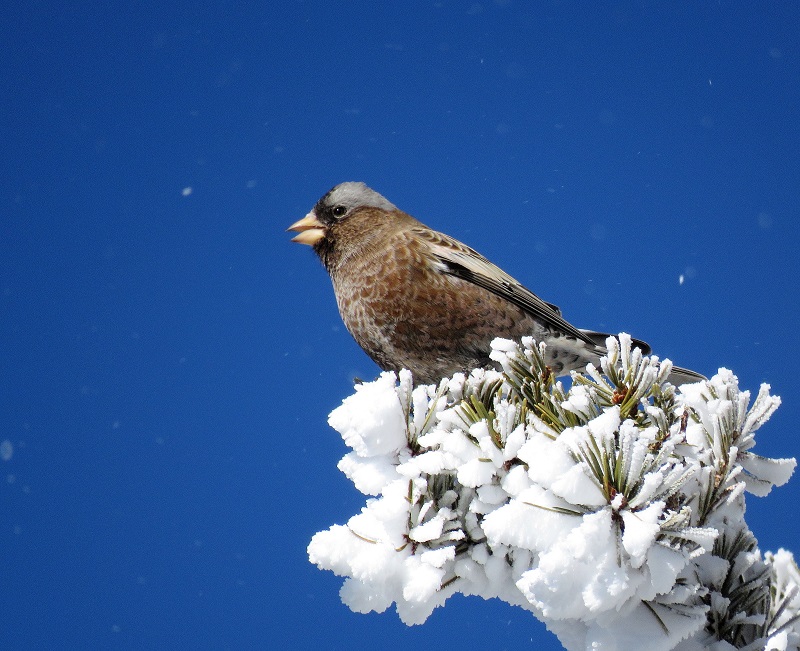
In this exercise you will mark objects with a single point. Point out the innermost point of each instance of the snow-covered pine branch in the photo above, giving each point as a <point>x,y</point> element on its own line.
<point>613,511</point>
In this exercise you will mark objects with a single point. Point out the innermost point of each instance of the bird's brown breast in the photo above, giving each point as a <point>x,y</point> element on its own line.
<point>405,312</point>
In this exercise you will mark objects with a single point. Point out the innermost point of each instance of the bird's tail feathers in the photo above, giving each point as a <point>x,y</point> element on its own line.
<point>678,375</point>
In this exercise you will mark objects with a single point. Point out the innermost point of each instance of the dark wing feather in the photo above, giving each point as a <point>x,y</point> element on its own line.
<point>460,261</point>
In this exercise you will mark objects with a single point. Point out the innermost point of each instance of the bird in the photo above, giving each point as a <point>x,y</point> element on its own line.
<point>418,299</point>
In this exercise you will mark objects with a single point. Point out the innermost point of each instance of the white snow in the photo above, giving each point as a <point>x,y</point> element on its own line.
<point>371,421</point>
<point>596,529</point>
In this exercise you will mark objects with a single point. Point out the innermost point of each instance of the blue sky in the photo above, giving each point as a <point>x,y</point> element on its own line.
<point>168,358</point>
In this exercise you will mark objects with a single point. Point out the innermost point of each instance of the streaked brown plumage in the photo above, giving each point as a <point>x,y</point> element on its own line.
<point>418,299</point>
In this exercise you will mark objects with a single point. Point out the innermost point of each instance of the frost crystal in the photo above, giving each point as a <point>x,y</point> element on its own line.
<point>613,511</point>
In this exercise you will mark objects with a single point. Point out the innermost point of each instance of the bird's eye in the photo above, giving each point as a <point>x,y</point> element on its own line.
<point>338,211</point>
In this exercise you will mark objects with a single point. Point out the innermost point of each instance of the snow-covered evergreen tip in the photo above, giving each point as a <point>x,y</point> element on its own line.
<point>613,511</point>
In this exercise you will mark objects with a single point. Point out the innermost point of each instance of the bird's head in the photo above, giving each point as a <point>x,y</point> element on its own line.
<point>320,227</point>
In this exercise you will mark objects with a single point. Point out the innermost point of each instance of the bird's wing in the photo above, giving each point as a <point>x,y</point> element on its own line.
<point>459,260</point>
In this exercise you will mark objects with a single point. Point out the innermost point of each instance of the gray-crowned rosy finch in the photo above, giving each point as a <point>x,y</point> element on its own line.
<point>418,299</point>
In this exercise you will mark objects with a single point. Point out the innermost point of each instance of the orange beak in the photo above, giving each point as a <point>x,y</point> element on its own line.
<point>311,230</point>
